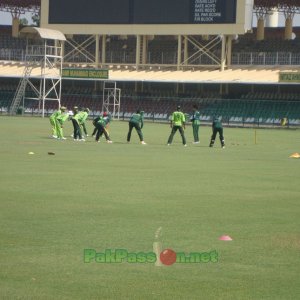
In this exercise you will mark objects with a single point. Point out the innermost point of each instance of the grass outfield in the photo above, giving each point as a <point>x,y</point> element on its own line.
<point>101,196</point>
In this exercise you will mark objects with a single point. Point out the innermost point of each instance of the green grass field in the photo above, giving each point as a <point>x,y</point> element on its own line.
<point>101,196</point>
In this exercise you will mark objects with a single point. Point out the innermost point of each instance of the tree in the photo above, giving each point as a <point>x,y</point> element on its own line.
<point>36,20</point>
<point>23,22</point>
<point>18,7</point>
<point>288,7</point>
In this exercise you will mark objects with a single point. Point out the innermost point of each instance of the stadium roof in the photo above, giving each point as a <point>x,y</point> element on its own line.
<point>43,33</point>
<point>250,75</point>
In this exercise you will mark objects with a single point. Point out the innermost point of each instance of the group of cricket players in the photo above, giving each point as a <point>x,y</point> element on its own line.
<point>78,119</point>
<point>101,125</point>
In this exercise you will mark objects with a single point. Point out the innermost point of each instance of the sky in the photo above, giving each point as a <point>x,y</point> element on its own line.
<point>6,19</point>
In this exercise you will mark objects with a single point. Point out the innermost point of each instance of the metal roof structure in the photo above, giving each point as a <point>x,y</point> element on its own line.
<point>42,33</point>
<point>242,75</point>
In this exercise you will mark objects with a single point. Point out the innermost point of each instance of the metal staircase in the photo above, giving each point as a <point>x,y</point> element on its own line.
<point>20,91</point>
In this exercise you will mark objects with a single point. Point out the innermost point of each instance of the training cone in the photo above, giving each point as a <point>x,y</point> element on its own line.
<point>31,153</point>
<point>225,238</point>
<point>295,155</point>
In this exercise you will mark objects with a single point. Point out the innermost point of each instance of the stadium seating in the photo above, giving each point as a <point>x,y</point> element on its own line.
<point>253,107</point>
<point>253,111</point>
<point>162,50</point>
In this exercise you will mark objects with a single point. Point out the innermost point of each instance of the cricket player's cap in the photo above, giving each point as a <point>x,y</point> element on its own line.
<point>178,107</point>
<point>63,108</point>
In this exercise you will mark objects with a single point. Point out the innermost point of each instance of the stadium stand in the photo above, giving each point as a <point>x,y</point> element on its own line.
<point>162,49</point>
<point>249,104</point>
<point>252,108</point>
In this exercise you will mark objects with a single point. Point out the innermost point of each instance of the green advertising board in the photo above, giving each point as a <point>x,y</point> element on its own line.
<point>85,73</point>
<point>289,77</point>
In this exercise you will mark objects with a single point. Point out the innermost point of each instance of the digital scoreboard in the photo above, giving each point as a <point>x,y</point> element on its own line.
<point>147,17</point>
<point>142,11</point>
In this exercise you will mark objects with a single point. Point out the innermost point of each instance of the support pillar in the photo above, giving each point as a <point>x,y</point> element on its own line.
<point>229,50</point>
<point>260,35</point>
<point>138,51</point>
<point>288,28</point>
<point>97,50</point>
<point>223,54</point>
<point>185,51</point>
<point>15,27</point>
<point>103,52</point>
<point>179,49</point>
<point>144,51</point>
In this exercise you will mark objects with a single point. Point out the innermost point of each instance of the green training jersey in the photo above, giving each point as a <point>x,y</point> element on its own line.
<point>55,114</point>
<point>81,117</point>
<point>137,118</point>
<point>77,117</point>
<point>217,123</point>
<point>62,118</point>
<point>103,121</point>
<point>196,117</point>
<point>178,118</point>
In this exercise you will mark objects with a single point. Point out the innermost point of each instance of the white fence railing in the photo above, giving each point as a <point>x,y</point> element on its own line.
<point>169,57</point>
<point>266,58</point>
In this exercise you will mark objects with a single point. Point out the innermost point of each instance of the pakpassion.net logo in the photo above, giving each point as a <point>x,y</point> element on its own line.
<point>166,257</point>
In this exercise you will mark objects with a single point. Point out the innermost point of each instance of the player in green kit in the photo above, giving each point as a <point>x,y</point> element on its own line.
<point>56,127</point>
<point>177,123</point>
<point>101,125</point>
<point>60,120</point>
<point>74,112</point>
<point>82,118</point>
<point>53,122</point>
<point>136,121</point>
<point>195,119</point>
<point>217,128</point>
<point>76,119</point>
<point>107,117</point>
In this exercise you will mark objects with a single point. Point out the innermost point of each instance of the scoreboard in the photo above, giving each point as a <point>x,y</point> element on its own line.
<point>142,11</point>
<point>158,17</point>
